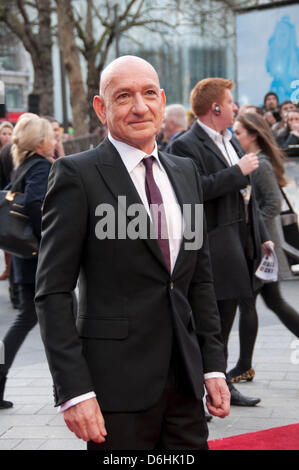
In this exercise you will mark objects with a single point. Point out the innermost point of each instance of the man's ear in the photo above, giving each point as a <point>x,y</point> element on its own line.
<point>100,109</point>
<point>163,97</point>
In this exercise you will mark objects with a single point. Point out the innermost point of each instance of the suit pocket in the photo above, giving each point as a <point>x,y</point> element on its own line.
<point>103,328</point>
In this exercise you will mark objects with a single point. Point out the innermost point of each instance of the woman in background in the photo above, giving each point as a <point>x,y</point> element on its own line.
<point>33,139</point>
<point>255,136</point>
<point>290,134</point>
<point>293,125</point>
<point>6,129</point>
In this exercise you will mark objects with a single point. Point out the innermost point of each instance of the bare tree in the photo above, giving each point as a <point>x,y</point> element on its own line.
<point>100,25</point>
<point>92,28</point>
<point>31,23</point>
<point>72,66</point>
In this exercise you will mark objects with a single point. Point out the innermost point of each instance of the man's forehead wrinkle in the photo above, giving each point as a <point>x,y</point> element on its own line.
<point>119,65</point>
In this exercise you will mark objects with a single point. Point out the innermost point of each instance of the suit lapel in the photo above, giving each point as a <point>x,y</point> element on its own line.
<point>119,182</point>
<point>208,142</point>
<point>178,183</point>
<point>115,174</point>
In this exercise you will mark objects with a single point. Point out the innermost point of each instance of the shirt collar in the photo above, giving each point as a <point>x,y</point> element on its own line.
<point>214,135</point>
<point>132,156</point>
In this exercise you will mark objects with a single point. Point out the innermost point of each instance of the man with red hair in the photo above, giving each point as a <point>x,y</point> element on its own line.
<point>235,232</point>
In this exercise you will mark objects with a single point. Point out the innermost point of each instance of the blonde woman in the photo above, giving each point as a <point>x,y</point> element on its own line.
<point>32,141</point>
<point>6,129</point>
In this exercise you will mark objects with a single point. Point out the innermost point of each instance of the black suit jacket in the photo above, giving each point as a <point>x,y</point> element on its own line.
<point>225,213</point>
<point>131,309</point>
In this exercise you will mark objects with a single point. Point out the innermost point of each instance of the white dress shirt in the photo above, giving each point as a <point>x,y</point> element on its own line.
<point>132,159</point>
<point>223,142</point>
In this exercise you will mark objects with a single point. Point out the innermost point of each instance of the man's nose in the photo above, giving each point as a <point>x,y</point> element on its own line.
<point>139,104</point>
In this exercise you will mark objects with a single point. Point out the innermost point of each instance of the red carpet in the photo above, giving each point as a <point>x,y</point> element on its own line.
<point>282,438</point>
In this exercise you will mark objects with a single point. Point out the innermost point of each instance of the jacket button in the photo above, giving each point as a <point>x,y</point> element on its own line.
<point>171,286</point>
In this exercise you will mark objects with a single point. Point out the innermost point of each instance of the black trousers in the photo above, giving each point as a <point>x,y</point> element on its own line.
<point>24,322</point>
<point>248,323</point>
<point>227,311</point>
<point>177,421</point>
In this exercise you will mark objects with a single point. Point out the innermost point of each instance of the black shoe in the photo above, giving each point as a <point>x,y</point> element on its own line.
<point>208,417</point>
<point>5,404</point>
<point>237,399</point>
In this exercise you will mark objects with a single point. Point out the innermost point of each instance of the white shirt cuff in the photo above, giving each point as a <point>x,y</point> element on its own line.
<point>214,375</point>
<point>74,401</point>
<point>86,396</point>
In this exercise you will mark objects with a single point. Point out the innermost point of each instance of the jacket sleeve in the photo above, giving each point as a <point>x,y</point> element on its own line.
<point>267,190</point>
<point>202,299</point>
<point>216,184</point>
<point>36,182</point>
<point>63,232</point>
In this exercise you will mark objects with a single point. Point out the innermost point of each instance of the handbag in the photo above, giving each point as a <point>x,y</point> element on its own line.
<point>16,232</point>
<point>289,222</point>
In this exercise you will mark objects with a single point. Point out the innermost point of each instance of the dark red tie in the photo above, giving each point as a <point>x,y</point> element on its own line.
<point>154,198</point>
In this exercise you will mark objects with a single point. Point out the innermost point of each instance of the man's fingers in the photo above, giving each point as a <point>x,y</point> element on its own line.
<point>221,410</point>
<point>86,421</point>
<point>87,430</point>
<point>96,430</point>
<point>249,163</point>
<point>218,397</point>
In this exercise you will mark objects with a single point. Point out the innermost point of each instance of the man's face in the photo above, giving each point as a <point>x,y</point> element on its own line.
<point>56,130</point>
<point>167,127</point>
<point>228,110</point>
<point>286,108</point>
<point>132,105</point>
<point>271,102</point>
<point>293,120</point>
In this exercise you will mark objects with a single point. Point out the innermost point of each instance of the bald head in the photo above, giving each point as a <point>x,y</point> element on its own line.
<point>125,63</point>
<point>131,103</point>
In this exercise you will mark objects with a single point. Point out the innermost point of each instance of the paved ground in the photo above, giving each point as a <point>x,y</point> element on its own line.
<point>33,423</point>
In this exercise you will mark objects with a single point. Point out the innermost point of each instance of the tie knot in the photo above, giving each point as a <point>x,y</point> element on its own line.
<point>148,162</point>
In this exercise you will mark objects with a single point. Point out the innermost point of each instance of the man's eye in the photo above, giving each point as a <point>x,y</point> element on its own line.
<point>122,96</point>
<point>150,92</point>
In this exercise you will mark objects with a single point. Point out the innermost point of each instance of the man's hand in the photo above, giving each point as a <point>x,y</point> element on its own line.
<point>268,247</point>
<point>248,163</point>
<point>86,421</point>
<point>218,397</point>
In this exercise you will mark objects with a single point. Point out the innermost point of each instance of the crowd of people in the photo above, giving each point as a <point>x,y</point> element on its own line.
<point>268,132</point>
<point>153,319</point>
<point>282,119</point>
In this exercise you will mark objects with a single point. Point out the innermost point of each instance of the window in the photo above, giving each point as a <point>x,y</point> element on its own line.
<point>8,49</point>
<point>206,62</point>
<point>13,97</point>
